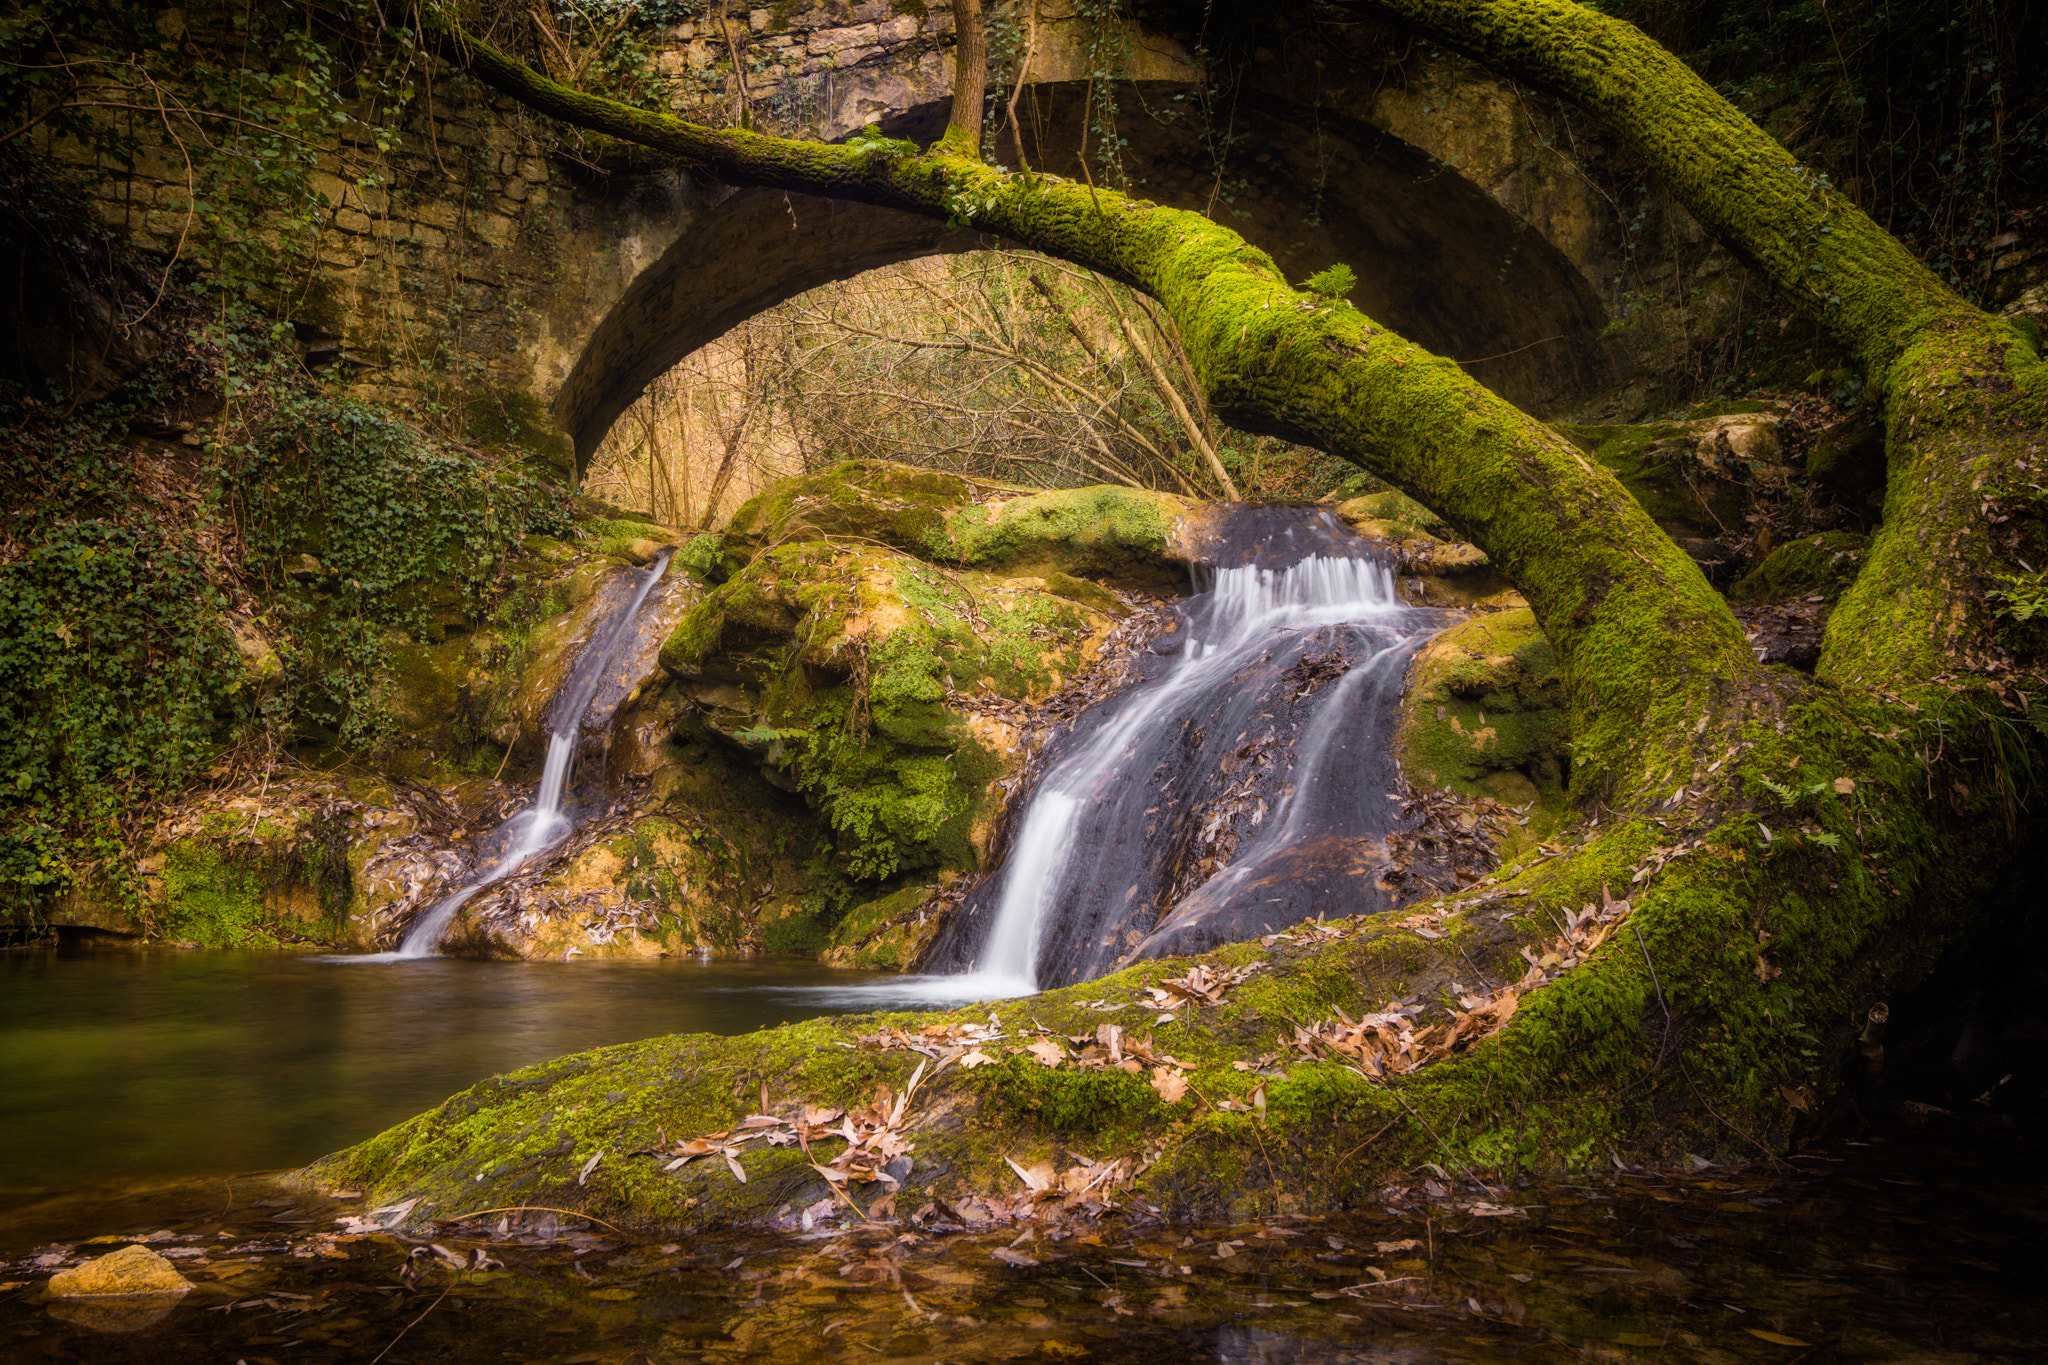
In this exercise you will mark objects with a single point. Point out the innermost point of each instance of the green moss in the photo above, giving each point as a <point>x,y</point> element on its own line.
<point>1823,566</point>
<point>833,663</point>
<point>1485,715</point>
<point>241,883</point>
<point>1121,535</point>
<point>1091,595</point>
<point>886,933</point>
<point>898,506</point>
<point>703,558</point>
<point>795,930</point>
<point>1066,1100</point>
<point>1651,461</point>
<point>1395,508</point>
<point>209,901</point>
<point>615,537</point>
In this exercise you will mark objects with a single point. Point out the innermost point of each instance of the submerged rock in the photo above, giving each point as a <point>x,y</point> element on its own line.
<point>133,1270</point>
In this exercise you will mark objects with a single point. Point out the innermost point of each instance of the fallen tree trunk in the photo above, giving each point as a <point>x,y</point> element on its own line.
<point>1765,857</point>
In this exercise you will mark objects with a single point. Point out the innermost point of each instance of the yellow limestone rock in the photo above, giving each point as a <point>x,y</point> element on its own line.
<point>131,1270</point>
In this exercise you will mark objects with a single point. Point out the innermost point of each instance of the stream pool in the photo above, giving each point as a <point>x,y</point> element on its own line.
<point>121,1065</point>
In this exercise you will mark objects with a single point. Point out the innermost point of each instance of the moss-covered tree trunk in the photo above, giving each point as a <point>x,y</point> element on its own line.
<point>1792,851</point>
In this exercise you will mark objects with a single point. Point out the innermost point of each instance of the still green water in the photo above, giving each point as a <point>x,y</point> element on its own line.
<point>118,1065</point>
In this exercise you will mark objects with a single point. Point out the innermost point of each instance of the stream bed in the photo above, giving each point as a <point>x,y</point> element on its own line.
<point>1926,1248</point>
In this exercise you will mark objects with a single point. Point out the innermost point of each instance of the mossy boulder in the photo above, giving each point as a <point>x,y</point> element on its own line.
<point>667,885</point>
<point>888,933</point>
<point>1436,571</point>
<point>862,501</point>
<point>1484,712</point>
<point>1653,461</point>
<point>844,670</point>
<point>242,872</point>
<point>1400,515</point>
<point>1122,536</point>
<point>1811,566</point>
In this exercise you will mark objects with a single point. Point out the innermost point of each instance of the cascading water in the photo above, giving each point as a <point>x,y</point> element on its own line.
<point>1242,787</point>
<point>545,824</point>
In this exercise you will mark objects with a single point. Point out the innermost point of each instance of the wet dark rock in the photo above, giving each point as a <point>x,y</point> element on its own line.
<point>1786,632</point>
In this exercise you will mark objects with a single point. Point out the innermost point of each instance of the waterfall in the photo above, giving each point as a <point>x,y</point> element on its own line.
<point>545,824</point>
<point>1242,786</point>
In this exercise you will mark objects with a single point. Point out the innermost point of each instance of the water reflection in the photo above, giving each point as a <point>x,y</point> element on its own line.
<point>122,1065</point>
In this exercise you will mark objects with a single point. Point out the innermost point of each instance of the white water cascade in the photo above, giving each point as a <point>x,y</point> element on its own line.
<point>1234,624</point>
<point>544,825</point>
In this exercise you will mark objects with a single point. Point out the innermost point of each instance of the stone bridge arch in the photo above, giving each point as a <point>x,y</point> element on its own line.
<point>477,275</point>
<point>1437,258</point>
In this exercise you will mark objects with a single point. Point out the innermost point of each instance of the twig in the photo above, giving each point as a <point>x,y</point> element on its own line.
<point>534,1208</point>
<point>410,1325</point>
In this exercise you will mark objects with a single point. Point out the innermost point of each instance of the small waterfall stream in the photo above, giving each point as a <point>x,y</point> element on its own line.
<point>1243,786</point>
<point>545,823</point>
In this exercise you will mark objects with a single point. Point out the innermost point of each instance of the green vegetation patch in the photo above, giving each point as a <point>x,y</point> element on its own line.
<point>833,663</point>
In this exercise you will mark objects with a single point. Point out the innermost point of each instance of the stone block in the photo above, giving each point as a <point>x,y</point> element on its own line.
<point>168,223</point>
<point>437,213</point>
<point>901,29</point>
<point>533,169</point>
<point>332,188</point>
<point>494,229</point>
<point>141,193</point>
<point>352,220</point>
<point>757,20</point>
<point>839,39</point>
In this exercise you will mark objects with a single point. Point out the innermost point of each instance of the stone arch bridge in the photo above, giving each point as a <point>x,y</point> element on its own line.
<point>483,272</point>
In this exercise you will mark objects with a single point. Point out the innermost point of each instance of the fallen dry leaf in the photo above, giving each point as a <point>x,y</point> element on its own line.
<point>1047,1051</point>
<point>1171,1083</point>
<point>1776,1339</point>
